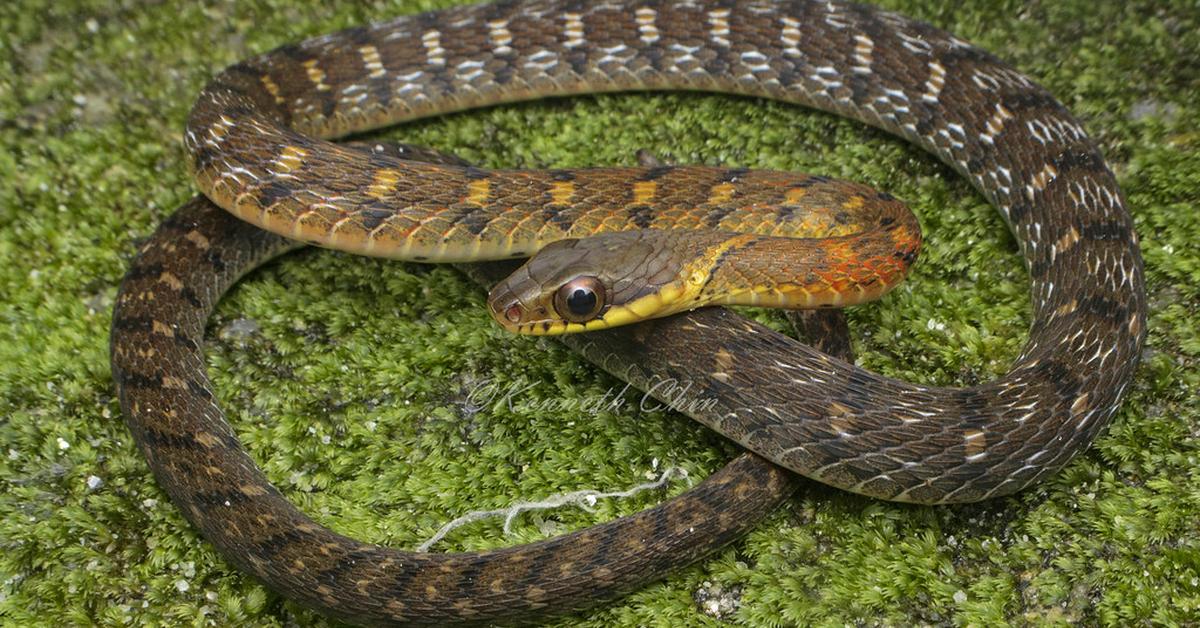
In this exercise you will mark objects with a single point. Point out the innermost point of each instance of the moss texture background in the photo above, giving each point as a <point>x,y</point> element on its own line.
<point>351,380</point>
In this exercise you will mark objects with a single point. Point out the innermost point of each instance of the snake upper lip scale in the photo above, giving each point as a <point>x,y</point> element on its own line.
<point>252,142</point>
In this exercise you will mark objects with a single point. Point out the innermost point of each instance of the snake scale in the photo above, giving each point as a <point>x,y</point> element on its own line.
<point>252,141</point>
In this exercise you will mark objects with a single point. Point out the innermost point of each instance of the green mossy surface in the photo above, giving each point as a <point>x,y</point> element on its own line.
<point>354,386</point>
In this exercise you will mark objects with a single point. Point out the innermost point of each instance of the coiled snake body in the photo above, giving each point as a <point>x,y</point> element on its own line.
<point>249,139</point>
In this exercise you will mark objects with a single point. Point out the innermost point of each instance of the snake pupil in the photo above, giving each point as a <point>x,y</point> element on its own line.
<point>580,299</point>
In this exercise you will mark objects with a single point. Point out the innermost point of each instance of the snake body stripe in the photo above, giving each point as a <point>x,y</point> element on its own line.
<point>813,414</point>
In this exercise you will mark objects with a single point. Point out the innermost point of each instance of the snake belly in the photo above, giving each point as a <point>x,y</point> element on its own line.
<point>252,137</point>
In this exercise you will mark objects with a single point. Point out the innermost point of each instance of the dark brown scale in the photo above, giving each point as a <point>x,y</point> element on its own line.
<point>816,415</point>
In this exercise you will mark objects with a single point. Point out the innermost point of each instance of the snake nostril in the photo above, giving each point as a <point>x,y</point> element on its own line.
<point>513,313</point>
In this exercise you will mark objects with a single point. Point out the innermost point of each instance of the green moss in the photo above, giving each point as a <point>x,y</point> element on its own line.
<point>378,433</point>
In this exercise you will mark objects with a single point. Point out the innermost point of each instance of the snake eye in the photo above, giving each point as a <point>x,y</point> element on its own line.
<point>580,300</point>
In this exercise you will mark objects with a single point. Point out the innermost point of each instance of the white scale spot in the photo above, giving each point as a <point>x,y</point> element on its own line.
<point>686,53</point>
<point>685,58</point>
<point>372,62</point>
<point>573,30</point>
<point>542,60</point>
<point>985,81</point>
<point>828,84</point>
<point>398,33</point>
<point>834,17</point>
<point>1009,77</point>
<point>894,98</point>
<point>789,36</point>
<point>915,44</point>
<point>233,173</point>
<point>1127,275</point>
<point>408,82</point>
<point>434,53</point>
<point>995,124</point>
<point>611,54</point>
<point>1004,172</point>
<point>935,83</point>
<point>1005,186</point>
<point>761,8</point>
<point>604,6</point>
<point>755,61</point>
<point>1049,130</point>
<point>1042,179</point>
<point>316,75</point>
<point>354,94</point>
<point>500,37</point>
<point>953,132</point>
<point>647,31</point>
<point>718,27</point>
<point>958,43</point>
<point>217,132</point>
<point>470,70</point>
<point>864,48</point>
<point>1039,131</point>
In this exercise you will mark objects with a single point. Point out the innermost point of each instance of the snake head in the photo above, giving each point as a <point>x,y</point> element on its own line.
<point>596,283</point>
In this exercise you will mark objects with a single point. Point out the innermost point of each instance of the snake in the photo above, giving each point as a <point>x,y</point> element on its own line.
<point>258,145</point>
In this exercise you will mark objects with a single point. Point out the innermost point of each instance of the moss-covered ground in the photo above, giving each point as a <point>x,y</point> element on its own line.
<point>359,385</point>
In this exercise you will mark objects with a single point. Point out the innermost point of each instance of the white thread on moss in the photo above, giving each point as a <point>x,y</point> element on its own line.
<point>585,499</point>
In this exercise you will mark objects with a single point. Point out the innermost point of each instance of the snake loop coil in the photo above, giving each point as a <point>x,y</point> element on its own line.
<point>252,140</point>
